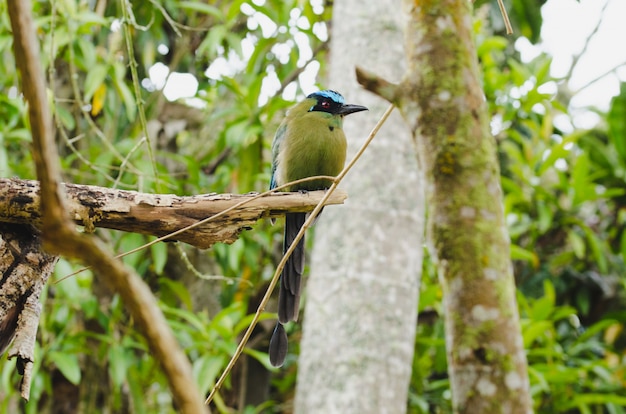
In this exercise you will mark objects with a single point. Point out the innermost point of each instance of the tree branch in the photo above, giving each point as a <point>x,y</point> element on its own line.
<point>59,233</point>
<point>156,214</point>
<point>377,85</point>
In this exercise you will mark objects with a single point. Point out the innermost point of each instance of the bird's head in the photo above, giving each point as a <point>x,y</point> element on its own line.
<point>333,103</point>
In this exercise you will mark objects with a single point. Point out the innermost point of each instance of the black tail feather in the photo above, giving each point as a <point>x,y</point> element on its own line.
<point>278,345</point>
<point>289,293</point>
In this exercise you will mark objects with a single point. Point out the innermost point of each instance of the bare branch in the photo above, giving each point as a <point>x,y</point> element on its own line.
<point>599,77</point>
<point>576,58</point>
<point>377,85</point>
<point>156,214</point>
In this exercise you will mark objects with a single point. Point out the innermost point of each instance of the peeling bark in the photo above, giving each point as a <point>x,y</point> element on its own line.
<point>25,268</point>
<point>156,214</point>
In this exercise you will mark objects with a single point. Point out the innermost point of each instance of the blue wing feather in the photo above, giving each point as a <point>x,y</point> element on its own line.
<point>278,139</point>
<point>273,184</point>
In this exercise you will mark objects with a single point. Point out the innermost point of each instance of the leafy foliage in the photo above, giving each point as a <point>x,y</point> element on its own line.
<point>564,202</point>
<point>103,62</point>
<point>563,197</point>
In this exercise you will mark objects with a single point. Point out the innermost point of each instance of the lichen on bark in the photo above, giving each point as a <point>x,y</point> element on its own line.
<point>441,99</point>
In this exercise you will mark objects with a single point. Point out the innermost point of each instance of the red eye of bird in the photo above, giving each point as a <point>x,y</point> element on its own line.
<point>325,104</point>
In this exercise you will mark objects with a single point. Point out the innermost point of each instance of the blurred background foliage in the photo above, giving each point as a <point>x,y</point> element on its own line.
<point>115,70</point>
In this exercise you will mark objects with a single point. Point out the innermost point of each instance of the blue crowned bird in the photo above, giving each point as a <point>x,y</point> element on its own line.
<point>309,142</point>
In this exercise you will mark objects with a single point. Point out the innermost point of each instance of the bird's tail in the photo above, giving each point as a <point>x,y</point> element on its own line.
<point>289,293</point>
<point>278,345</point>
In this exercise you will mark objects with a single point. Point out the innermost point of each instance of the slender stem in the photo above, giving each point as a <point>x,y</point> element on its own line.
<point>597,78</point>
<point>132,63</point>
<point>505,16</point>
<point>576,58</point>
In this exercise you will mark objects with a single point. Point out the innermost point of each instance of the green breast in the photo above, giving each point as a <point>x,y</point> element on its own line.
<point>315,146</point>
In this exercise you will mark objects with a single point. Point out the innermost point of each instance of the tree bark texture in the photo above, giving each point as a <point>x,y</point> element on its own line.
<point>156,214</point>
<point>441,98</point>
<point>361,299</point>
<point>25,268</point>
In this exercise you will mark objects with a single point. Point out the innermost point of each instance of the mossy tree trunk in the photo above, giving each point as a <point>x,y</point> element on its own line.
<point>441,98</point>
<point>468,238</point>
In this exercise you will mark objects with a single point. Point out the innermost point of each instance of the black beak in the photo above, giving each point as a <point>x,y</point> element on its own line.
<point>350,109</point>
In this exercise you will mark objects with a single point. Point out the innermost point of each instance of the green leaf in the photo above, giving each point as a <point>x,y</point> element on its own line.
<point>262,357</point>
<point>86,54</point>
<point>130,241</point>
<point>584,190</point>
<point>179,289</point>
<point>527,15</point>
<point>541,309</point>
<point>544,211</point>
<point>598,247</point>
<point>577,243</point>
<point>205,370</point>
<point>595,329</point>
<point>245,321</point>
<point>557,152</point>
<point>538,380</point>
<point>95,78</point>
<point>190,318</point>
<point>68,365</point>
<point>90,19</point>
<point>137,391</point>
<point>535,330</point>
<point>210,45</point>
<point>67,8</point>
<point>65,116</point>
<point>623,245</point>
<point>548,291</point>
<point>492,43</point>
<point>159,257</point>
<point>617,123</point>
<point>519,72</point>
<point>542,72</point>
<point>596,398</point>
<point>202,8</point>
<point>128,98</point>
<point>519,253</point>
<point>117,364</point>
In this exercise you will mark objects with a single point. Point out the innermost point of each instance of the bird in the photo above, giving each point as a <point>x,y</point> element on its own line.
<point>309,142</point>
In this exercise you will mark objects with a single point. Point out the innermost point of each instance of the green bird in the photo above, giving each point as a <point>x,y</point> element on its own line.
<point>309,142</point>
